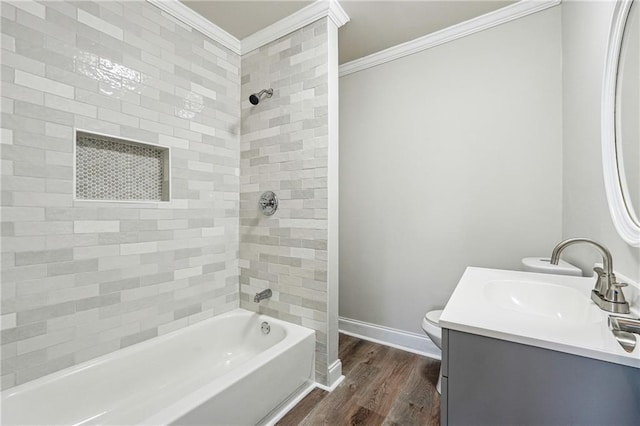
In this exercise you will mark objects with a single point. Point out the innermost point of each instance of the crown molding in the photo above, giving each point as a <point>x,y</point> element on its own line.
<point>198,22</point>
<point>454,32</point>
<point>337,14</point>
<point>305,16</point>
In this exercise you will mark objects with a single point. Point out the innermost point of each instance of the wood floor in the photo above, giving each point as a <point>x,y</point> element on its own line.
<point>382,386</point>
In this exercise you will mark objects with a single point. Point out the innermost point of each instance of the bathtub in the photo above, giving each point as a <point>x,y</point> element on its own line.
<point>222,371</point>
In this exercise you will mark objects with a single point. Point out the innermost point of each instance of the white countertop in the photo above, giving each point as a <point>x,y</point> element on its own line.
<point>473,309</point>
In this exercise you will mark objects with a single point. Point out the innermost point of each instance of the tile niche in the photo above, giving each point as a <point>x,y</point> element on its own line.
<point>108,168</point>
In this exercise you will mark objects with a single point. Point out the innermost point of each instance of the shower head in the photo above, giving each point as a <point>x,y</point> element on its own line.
<point>255,98</point>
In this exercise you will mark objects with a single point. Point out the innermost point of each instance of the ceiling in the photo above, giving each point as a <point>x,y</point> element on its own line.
<point>375,25</point>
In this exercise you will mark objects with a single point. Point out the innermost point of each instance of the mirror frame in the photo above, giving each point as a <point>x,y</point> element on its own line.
<point>625,224</point>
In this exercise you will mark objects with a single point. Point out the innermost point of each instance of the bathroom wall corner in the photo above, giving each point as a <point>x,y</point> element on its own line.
<point>285,144</point>
<point>333,243</point>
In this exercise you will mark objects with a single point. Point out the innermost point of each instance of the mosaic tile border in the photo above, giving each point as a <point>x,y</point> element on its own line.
<point>109,168</point>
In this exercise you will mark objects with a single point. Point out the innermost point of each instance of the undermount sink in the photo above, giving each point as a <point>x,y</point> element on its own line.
<point>542,300</point>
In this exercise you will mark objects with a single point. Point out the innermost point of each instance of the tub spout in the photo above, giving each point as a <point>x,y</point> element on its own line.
<point>264,294</point>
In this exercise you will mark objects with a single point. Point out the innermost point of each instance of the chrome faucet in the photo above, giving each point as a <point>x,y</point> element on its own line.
<point>264,294</point>
<point>607,292</point>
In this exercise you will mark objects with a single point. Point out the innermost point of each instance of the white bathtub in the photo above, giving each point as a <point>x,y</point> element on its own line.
<point>222,371</point>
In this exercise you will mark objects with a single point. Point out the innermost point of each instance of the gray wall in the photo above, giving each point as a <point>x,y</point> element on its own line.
<point>448,158</point>
<point>585,35</point>
<point>81,279</point>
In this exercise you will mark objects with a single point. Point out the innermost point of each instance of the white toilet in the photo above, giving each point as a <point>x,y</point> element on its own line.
<point>431,326</point>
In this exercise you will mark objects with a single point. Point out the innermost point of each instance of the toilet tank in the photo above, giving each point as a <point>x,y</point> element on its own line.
<point>543,265</point>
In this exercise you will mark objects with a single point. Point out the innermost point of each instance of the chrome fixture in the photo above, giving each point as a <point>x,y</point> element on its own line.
<point>607,292</point>
<point>624,329</point>
<point>256,97</point>
<point>265,327</point>
<point>268,203</point>
<point>264,294</point>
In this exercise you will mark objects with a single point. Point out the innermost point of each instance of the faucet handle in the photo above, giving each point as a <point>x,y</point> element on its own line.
<point>601,280</point>
<point>615,294</point>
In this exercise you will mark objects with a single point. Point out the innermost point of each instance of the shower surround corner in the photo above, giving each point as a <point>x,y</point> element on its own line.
<point>81,279</point>
<point>285,148</point>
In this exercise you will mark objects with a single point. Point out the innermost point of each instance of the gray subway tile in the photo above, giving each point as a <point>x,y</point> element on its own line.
<point>138,337</point>
<point>119,285</point>
<point>187,311</point>
<point>44,256</point>
<point>43,113</point>
<point>72,267</point>
<point>97,301</point>
<point>23,332</point>
<point>45,313</point>
<point>40,370</point>
<point>24,361</point>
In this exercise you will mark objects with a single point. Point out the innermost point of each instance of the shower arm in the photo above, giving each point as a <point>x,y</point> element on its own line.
<point>256,97</point>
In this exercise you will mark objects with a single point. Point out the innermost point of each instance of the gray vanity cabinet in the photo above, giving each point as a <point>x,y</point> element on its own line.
<point>494,382</point>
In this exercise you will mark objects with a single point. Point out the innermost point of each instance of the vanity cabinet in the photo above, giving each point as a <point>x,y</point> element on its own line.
<point>488,381</point>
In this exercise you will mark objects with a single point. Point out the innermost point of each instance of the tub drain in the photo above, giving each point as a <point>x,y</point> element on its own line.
<point>265,327</point>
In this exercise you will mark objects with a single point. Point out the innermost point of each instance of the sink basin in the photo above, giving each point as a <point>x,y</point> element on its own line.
<point>542,300</point>
<point>552,312</point>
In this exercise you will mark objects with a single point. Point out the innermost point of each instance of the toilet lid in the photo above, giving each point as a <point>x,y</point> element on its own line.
<point>434,316</point>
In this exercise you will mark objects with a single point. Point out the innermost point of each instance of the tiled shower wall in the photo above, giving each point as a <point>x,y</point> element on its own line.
<point>284,149</point>
<point>81,279</point>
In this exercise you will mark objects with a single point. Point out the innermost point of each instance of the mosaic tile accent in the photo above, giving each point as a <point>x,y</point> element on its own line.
<point>115,169</point>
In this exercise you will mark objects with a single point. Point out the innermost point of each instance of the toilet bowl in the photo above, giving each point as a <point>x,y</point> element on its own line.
<point>431,326</point>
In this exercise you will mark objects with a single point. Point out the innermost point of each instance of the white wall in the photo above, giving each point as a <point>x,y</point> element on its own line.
<point>585,32</point>
<point>448,158</point>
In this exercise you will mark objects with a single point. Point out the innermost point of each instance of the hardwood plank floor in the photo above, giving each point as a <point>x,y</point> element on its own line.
<point>382,386</point>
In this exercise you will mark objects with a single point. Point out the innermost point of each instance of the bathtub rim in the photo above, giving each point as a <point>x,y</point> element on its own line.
<point>200,396</point>
<point>293,332</point>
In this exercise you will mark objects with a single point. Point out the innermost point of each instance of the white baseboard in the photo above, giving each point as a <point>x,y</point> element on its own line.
<point>410,342</point>
<point>333,386</point>
<point>280,411</point>
<point>334,372</point>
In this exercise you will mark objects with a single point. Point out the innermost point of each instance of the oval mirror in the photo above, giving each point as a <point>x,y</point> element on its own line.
<point>621,121</point>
